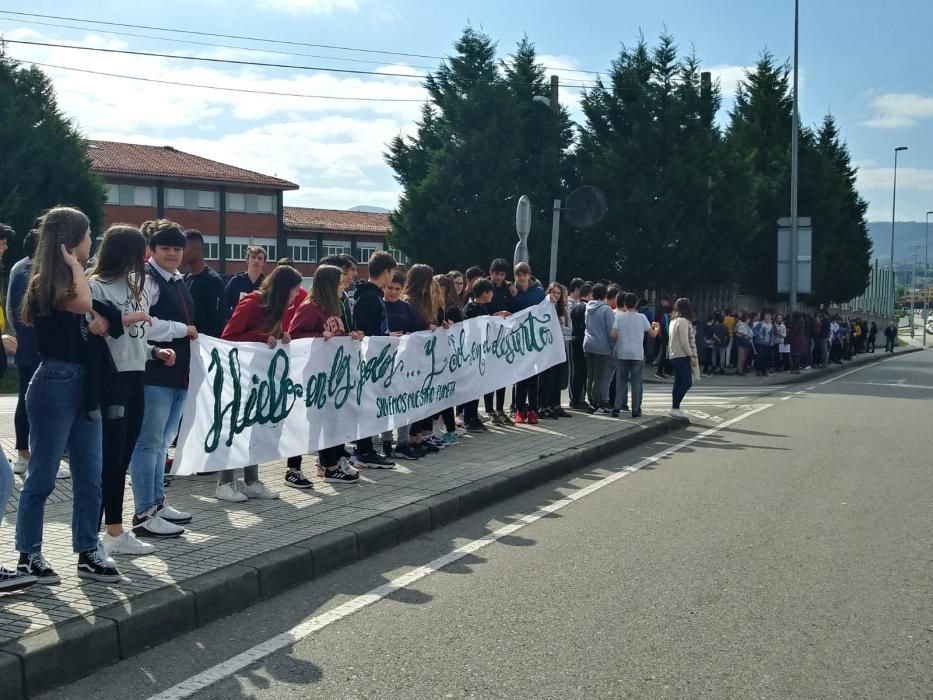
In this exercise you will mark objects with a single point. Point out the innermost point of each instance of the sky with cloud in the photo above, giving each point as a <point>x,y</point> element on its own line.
<point>865,61</point>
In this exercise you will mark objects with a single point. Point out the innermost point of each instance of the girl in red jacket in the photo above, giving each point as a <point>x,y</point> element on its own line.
<point>258,318</point>
<point>319,317</point>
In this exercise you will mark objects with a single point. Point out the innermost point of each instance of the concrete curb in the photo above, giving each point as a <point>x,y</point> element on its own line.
<point>76,648</point>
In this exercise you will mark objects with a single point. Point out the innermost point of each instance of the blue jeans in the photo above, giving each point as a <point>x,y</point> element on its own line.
<point>683,378</point>
<point>161,418</point>
<point>6,483</point>
<point>57,420</point>
<point>629,371</point>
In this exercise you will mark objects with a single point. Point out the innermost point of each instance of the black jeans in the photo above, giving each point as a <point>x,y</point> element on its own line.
<point>330,456</point>
<point>526,394</point>
<point>549,386</point>
<point>500,401</point>
<point>471,412</point>
<point>117,441</point>
<point>20,419</point>
<point>577,373</point>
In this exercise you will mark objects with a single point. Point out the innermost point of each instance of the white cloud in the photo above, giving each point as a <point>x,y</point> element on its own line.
<point>899,110</point>
<point>919,179</point>
<point>341,197</point>
<point>314,7</point>
<point>729,77</point>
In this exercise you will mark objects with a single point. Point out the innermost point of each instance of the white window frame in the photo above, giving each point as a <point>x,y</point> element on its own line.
<point>265,198</point>
<point>174,204</point>
<point>203,204</point>
<point>270,245</point>
<point>148,195</point>
<point>236,201</point>
<point>370,248</point>
<point>307,248</point>
<point>399,256</point>
<point>211,247</point>
<point>234,250</point>
<point>331,248</point>
<point>113,194</point>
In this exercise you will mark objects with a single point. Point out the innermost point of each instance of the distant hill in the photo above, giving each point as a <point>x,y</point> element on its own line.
<point>370,210</point>
<point>907,235</point>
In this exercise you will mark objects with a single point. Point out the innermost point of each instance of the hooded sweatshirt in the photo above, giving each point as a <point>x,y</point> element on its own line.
<point>369,310</point>
<point>599,320</point>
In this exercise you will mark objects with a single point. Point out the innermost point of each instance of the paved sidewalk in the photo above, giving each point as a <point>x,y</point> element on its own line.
<point>226,533</point>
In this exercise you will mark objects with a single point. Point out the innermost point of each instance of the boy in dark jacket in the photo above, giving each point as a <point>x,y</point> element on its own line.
<point>482,295</point>
<point>577,356</point>
<point>369,317</point>
<point>500,305</point>
<point>527,294</point>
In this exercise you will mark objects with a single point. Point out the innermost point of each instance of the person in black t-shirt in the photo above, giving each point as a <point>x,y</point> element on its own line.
<point>206,287</point>
<point>243,283</point>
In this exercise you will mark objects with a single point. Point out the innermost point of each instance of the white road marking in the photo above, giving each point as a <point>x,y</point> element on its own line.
<point>227,668</point>
<point>857,369</point>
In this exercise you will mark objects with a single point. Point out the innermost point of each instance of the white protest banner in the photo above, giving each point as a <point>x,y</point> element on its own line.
<point>249,404</point>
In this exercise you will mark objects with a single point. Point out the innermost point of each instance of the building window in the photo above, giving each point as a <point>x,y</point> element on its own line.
<point>142,197</point>
<point>236,201</point>
<point>265,204</point>
<point>113,194</point>
<point>131,196</point>
<point>174,198</point>
<point>302,251</point>
<point>211,247</point>
<point>335,248</point>
<point>365,251</point>
<point>207,200</point>
<point>236,251</point>
<point>399,256</point>
<point>267,244</point>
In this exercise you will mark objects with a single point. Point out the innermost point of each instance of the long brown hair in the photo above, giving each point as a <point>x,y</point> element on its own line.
<point>683,309</point>
<point>418,292</point>
<point>274,293</point>
<point>449,297</point>
<point>324,289</point>
<point>122,255</point>
<point>562,302</point>
<point>52,282</point>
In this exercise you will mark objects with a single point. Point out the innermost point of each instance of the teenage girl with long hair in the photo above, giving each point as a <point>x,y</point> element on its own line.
<point>319,316</point>
<point>57,302</point>
<point>259,318</point>
<point>683,353</point>
<point>423,293</point>
<point>118,278</point>
<point>550,383</point>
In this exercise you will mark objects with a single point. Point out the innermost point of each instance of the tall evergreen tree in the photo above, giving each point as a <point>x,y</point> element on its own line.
<point>43,157</point>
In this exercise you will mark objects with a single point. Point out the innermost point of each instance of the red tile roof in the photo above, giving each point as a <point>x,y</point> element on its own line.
<point>136,160</point>
<point>307,219</point>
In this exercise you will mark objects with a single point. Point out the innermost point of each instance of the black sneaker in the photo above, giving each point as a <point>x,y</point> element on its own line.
<point>636,414</point>
<point>296,479</point>
<point>341,474</point>
<point>91,566</point>
<point>429,448</point>
<point>36,565</point>
<point>14,580</point>
<point>476,427</point>
<point>407,451</point>
<point>561,413</point>
<point>374,460</point>
<point>388,451</point>
<point>496,420</point>
<point>615,413</point>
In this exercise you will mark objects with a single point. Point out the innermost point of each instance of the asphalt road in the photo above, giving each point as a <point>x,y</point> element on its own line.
<point>787,555</point>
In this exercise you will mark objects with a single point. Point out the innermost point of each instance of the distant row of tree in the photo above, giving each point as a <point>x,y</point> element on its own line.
<point>691,204</point>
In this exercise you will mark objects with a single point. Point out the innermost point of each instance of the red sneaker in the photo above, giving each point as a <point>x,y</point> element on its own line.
<point>532,417</point>
<point>520,417</point>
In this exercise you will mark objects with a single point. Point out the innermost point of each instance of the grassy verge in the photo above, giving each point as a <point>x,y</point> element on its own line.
<point>9,382</point>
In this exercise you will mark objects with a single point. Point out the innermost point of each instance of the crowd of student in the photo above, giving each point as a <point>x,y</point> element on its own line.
<point>103,351</point>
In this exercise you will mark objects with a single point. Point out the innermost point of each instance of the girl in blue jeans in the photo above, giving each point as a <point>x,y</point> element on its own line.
<point>60,415</point>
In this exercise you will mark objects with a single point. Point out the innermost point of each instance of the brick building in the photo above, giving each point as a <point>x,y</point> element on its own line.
<point>231,206</point>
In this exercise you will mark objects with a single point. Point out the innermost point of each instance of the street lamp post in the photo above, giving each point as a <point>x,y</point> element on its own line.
<point>926,282</point>
<point>897,150</point>
<point>553,103</point>
<point>913,286</point>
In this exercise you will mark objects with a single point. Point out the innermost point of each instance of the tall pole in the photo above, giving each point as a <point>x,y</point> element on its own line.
<point>926,279</point>
<point>897,150</point>
<point>793,166</point>
<point>913,287</point>
<point>555,216</point>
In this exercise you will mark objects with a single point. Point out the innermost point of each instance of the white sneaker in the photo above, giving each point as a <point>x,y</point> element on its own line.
<point>125,543</point>
<point>63,473</point>
<point>173,515</point>
<point>19,466</point>
<point>102,553</point>
<point>228,492</point>
<point>677,413</point>
<point>154,526</point>
<point>257,490</point>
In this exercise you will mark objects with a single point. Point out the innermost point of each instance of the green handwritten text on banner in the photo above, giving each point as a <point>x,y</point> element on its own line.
<point>248,404</point>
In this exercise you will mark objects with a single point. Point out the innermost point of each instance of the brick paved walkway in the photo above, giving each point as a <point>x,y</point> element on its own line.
<point>226,533</point>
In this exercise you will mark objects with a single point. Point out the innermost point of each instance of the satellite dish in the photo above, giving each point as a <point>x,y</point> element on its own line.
<point>586,207</point>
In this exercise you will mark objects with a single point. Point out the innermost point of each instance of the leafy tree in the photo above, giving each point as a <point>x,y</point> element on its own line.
<point>43,157</point>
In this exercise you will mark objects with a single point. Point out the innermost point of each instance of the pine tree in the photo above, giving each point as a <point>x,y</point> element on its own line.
<point>43,157</point>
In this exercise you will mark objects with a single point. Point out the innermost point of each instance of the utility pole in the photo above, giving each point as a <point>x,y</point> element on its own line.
<point>926,279</point>
<point>794,147</point>
<point>555,215</point>
<point>913,287</point>
<point>897,150</point>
